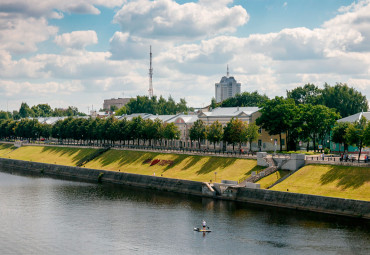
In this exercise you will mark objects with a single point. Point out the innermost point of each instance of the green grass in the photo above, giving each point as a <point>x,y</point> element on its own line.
<point>188,167</point>
<point>272,178</point>
<point>328,180</point>
<point>6,148</point>
<point>52,155</point>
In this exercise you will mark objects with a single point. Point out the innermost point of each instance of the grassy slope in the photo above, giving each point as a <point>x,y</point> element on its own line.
<point>5,149</point>
<point>53,155</point>
<point>327,180</point>
<point>186,167</point>
<point>272,178</point>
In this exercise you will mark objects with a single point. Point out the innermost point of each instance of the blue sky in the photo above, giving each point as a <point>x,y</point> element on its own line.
<point>82,52</point>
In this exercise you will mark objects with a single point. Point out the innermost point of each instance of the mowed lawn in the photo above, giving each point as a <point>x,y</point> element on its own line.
<point>6,148</point>
<point>188,167</point>
<point>272,178</point>
<point>328,180</point>
<point>53,155</point>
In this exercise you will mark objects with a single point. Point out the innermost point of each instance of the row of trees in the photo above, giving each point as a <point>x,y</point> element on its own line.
<point>88,129</point>
<point>357,134</point>
<point>40,110</point>
<point>235,132</point>
<point>302,122</point>
<point>153,105</point>
<point>345,100</point>
<point>111,130</point>
<point>311,123</point>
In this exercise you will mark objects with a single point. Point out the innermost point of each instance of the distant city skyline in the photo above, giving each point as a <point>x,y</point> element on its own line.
<point>68,53</point>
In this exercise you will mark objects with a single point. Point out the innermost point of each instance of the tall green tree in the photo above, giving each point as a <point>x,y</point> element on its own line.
<point>215,133</point>
<point>277,117</point>
<point>171,131</point>
<point>317,121</point>
<point>356,134</point>
<point>245,99</point>
<point>198,131</point>
<point>4,115</point>
<point>339,134</point>
<point>346,100</point>
<point>308,94</point>
<point>251,133</point>
<point>25,111</point>
<point>234,132</point>
<point>137,128</point>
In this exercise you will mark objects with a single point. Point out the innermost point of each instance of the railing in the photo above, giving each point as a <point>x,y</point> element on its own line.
<point>332,158</point>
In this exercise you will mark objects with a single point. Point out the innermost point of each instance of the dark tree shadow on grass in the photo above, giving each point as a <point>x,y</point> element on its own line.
<point>347,177</point>
<point>80,154</point>
<point>124,157</point>
<point>214,163</point>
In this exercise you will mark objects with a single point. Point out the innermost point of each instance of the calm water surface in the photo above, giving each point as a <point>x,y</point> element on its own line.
<point>49,216</point>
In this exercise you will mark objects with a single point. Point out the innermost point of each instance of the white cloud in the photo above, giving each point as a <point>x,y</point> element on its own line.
<point>22,35</point>
<point>338,51</point>
<point>77,39</point>
<point>124,46</point>
<point>168,19</point>
<point>50,8</point>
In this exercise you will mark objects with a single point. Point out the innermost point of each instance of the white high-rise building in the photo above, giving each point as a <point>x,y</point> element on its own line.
<point>227,87</point>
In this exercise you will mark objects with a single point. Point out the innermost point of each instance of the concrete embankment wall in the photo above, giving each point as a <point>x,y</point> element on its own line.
<point>94,175</point>
<point>330,205</point>
<point>338,206</point>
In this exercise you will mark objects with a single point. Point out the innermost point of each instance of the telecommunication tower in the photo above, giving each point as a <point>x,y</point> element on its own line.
<point>150,74</point>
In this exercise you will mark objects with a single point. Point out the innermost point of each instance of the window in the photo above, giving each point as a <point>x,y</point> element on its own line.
<point>259,143</point>
<point>260,130</point>
<point>283,142</point>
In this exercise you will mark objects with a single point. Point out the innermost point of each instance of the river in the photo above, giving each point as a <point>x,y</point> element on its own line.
<point>50,216</point>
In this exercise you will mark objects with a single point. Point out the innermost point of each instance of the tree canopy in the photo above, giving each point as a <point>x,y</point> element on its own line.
<point>144,104</point>
<point>245,99</point>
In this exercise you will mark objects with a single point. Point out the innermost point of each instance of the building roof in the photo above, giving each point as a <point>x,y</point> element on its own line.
<point>164,118</point>
<point>355,117</point>
<point>225,79</point>
<point>131,116</point>
<point>182,118</point>
<point>230,111</point>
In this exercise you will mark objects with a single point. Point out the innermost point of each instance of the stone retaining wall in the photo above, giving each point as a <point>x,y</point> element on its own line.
<point>94,175</point>
<point>338,206</point>
<point>331,205</point>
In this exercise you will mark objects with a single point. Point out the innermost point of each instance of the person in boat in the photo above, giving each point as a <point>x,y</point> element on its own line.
<point>204,224</point>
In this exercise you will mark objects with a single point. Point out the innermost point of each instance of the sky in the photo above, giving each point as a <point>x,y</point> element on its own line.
<point>80,52</point>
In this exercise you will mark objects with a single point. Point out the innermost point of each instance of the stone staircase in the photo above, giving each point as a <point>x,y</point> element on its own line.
<point>267,171</point>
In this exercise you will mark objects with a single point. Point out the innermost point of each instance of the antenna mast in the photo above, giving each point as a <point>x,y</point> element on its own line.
<point>150,74</point>
<point>227,72</point>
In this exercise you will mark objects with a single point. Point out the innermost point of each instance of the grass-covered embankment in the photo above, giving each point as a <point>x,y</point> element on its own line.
<point>272,178</point>
<point>328,180</point>
<point>187,167</point>
<point>6,148</point>
<point>52,155</point>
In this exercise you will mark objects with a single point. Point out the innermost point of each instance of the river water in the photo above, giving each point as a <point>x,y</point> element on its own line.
<point>49,216</point>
